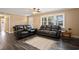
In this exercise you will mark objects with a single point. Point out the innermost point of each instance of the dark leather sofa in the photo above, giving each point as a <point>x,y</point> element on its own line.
<point>22,31</point>
<point>49,30</point>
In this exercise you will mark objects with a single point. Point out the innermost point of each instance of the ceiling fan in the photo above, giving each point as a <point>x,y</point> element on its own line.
<point>36,10</point>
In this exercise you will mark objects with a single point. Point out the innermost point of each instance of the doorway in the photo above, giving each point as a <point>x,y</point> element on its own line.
<point>2,24</point>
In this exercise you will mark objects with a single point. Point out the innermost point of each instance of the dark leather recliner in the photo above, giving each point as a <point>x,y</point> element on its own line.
<point>49,30</point>
<point>22,31</point>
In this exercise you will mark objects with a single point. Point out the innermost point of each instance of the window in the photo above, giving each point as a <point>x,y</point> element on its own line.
<point>60,20</point>
<point>53,20</point>
<point>50,20</point>
<point>44,21</point>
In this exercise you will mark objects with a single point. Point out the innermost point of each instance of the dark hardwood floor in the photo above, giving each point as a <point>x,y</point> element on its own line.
<point>71,43</point>
<point>9,42</point>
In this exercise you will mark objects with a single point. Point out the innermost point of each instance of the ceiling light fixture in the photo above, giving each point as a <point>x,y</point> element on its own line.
<point>36,11</point>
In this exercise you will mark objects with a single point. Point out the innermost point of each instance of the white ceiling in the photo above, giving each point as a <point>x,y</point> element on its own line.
<point>26,11</point>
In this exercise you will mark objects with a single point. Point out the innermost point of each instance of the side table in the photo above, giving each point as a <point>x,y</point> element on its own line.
<point>66,34</point>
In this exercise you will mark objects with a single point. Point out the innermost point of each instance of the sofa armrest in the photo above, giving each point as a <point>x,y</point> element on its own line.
<point>20,30</point>
<point>58,33</point>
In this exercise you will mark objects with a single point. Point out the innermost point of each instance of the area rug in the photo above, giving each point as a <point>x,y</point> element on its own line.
<point>41,43</point>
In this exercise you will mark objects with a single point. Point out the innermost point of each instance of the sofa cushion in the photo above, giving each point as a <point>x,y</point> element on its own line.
<point>17,27</point>
<point>55,27</point>
<point>29,27</point>
<point>43,27</point>
<point>24,32</point>
<point>48,27</point>
<point>32,30</point>
<point>52,32</point>
<point>40,30</point>
<point>25,27</point>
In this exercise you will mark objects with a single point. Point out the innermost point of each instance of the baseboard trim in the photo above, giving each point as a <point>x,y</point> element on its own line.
<point>75,36</point>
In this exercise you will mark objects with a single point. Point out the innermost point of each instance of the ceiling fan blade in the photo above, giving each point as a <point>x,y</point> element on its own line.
<point>34,9</point>
<point>38,10</point>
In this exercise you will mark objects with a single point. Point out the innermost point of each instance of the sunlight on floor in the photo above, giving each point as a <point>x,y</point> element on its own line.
<point>2,33</point>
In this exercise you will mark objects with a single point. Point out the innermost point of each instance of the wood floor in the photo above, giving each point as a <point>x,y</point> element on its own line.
<point>9,42</point>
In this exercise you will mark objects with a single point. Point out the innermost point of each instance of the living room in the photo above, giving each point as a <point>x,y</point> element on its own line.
<point>66,29</point>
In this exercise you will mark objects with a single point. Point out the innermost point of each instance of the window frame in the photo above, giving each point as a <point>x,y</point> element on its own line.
<point>54,18</point>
